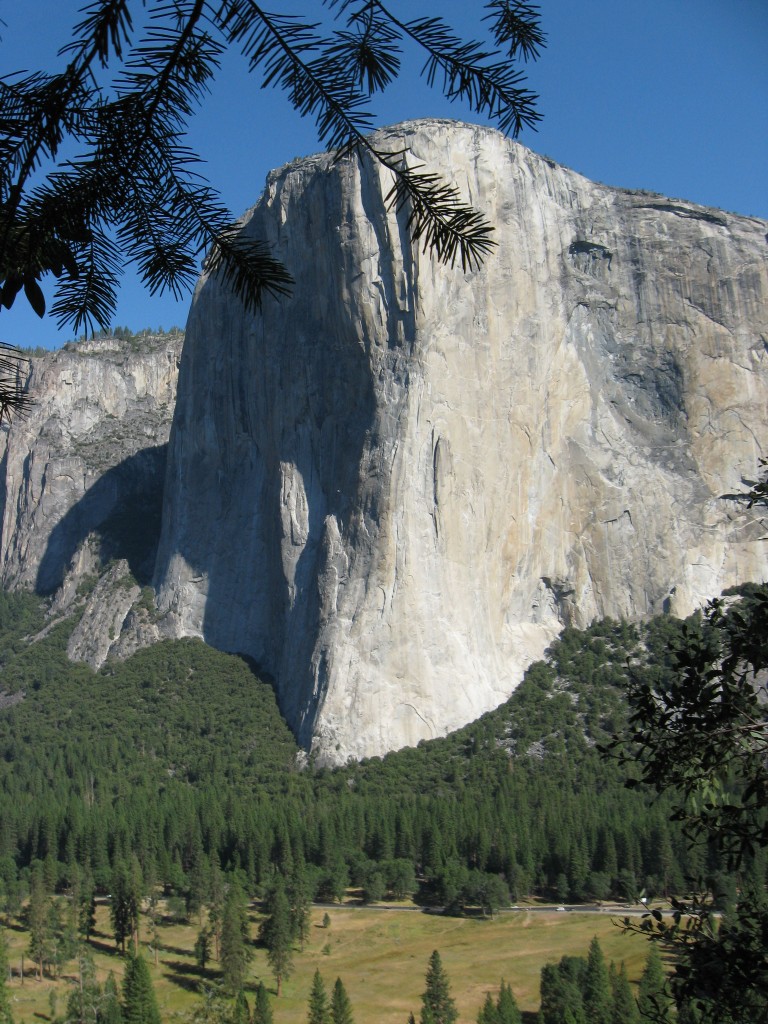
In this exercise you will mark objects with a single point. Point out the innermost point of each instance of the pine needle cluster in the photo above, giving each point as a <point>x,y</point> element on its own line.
<point>96,172</point>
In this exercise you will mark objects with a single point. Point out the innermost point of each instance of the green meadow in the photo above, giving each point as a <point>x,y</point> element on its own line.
<point>380,954</point>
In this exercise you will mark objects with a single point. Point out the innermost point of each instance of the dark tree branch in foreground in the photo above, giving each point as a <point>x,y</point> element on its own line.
<point>13,394</point>
<point>132,192</point>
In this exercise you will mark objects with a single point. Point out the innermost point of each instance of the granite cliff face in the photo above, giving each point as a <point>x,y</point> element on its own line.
<point>81,478</point>
<point>393,489</point>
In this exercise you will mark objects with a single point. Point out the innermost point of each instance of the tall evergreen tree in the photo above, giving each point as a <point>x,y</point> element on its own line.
<point>625,1009</point>
<point>84,899</point>
<point>277,934</point>
<point>203,947</point>
<point>38,920</point>
<point>262,1011</point>
<point>341,1008</point>
<point>488,1013</point>
<point>653,999</point>
<point>198,884</point>
<point>216,899</point>
<point>561,1000</point>
<point>300,902</point>
<point>319,1012</point>
<point>111,1011</point>
<point>437,1005</point>
<point>507,1010</point>
<point>124,905</point>
<point>241,1012</point>
<point>235,950</point>
<point>598,1001</point>
<point>139,1002</point>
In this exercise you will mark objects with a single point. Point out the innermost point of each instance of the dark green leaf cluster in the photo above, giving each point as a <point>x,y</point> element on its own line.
<point>95,171</point>
<point>698,729</point>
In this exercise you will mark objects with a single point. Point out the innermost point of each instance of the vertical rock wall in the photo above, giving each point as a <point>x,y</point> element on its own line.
<point>82,472</point>
<point>394,488</point>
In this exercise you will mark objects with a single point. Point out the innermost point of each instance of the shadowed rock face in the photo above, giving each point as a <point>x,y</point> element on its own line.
<point>82,473</point>
<point>393,489</point>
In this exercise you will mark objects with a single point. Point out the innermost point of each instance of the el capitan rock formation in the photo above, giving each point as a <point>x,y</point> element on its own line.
<point>394,488</point>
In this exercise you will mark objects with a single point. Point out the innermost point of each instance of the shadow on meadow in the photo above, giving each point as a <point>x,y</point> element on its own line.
<point>189,984</point>
<point>192,970</point>
<point>164,947</point>
<point>107,948</point>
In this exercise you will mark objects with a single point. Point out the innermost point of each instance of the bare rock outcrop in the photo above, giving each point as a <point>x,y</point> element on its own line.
<point>81,478</point>
<point>104,616</point>
<point>393,489</point>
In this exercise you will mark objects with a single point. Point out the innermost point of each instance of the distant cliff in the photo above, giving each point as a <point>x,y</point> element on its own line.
<point>393,489</point>
<point>81,476</point>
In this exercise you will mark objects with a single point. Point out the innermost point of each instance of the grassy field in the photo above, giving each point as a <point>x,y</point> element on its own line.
<point>381,956</point>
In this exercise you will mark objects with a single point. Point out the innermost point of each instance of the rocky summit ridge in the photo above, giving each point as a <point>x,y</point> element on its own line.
<point>393,489</point>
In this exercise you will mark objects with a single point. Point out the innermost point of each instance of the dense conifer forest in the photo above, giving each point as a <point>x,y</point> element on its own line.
<point>178,760</point>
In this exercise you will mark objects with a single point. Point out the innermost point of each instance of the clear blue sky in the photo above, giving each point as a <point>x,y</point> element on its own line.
<point>665,95</point>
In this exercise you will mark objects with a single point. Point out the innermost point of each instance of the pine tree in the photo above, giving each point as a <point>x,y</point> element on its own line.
<point>241,1012</point>
<point>341,1008</point>
<point>199,884</point>
<point>216,898</point>
<point>203,947</point>
<point>84,898</point>
<point>507,1010</point>
<point>262,1011</point>
<point>235,952</point>
<point>277,935</point>
<point>110,1012</point>
<point>6,1015</point>
<point>124,905</point>
<point>300,902</point>
<point>488,1013</point>
<point>38,921</point>
<point>652,998</point>
<point>625,1009</point>
<point>128,171</point>
<point>437,1005</point>
<point>598,1002</point>
<point>139,1003</point>
<point>561,1000</point>
<point>319,1010</point>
